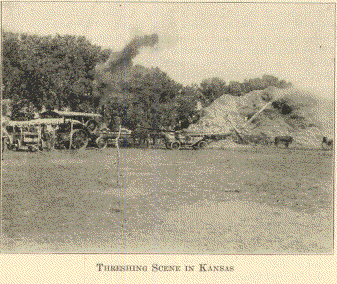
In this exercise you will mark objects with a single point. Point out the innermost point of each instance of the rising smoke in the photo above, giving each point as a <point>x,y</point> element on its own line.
<point>118,67</point>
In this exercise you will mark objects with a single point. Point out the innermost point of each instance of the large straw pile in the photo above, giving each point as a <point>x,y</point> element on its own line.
<point>286,112</point>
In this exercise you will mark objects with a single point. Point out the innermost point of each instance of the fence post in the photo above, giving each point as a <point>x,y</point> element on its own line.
<point>118,154</point>
<point>71,133</point>
<point>39,136</point>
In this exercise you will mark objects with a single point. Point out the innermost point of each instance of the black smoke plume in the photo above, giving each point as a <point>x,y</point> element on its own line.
<point>118,67</point>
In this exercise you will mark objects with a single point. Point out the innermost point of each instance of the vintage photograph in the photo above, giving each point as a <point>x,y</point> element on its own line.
<point>176,128</point>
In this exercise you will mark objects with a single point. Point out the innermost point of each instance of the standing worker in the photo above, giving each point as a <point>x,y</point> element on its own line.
<point>4,135</point>
<point>46,137</point>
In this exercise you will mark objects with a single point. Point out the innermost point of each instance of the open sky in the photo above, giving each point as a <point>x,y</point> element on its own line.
<point>233,41</point>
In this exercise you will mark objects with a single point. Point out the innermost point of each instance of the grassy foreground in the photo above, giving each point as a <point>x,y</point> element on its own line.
<point>55,198</point>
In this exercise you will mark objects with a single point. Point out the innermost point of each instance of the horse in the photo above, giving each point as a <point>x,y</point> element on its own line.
<point>327,143</point>
<point>283,140</point>
<point>140,137</point>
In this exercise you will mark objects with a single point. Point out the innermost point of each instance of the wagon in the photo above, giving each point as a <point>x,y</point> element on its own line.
<point>181,139</point>
<point>106,137</point>
<point>23,139</point>
<point>30,135</point>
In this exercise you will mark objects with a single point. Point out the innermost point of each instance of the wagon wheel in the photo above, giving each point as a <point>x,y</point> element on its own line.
<point>202,144</point>
<point>62,142</point>
<point>80,140</point>
<point>34,148</point>
<point>175,145</point>
<point>9,144</point>
<point>92,125</point>
<point>6,144</point>
<point>101,143</point>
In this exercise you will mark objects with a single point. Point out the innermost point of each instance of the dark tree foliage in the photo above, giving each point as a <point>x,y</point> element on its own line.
<point>49,71</point>
<point>213,88</point>
<point>186,106</point>
<point>59,72</point>
<point>149,100</point>
<point>263,83</point>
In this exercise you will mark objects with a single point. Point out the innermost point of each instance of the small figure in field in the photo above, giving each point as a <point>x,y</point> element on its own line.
<point>46,137</point>
<point>327,144</point>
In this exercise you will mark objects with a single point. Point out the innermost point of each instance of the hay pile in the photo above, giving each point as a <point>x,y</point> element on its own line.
<point>220,116</point>
<point>287,112</point>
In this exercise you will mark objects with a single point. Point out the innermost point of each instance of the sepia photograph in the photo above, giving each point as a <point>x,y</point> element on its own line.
<point>167,128</point>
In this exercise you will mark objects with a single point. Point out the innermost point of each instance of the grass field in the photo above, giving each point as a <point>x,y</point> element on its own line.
<point>206,201</point>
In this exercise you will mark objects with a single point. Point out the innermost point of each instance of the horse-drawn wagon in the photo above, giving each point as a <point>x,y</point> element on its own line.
<point>32,135</point>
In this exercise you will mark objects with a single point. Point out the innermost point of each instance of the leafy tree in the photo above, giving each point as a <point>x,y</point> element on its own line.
<point>59,72</point>
<point>49,71</point>
<point>186,106</point>
<point>263,83</point>
<point>235,88</point>
<point>146,98</point>
<point>213,88</point>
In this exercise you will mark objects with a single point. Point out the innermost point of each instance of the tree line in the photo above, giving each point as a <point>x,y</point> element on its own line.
<point>58,72</point>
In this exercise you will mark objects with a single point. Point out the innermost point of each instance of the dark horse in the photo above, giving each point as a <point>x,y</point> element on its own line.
<point>283,140</point>
<point>327,144</point>
<point>140,137</point>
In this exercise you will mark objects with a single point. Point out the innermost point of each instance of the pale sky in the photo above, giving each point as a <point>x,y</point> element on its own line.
<point>232,41</point>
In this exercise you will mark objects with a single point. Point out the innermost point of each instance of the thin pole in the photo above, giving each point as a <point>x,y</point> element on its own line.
<point>234,127</point>
<point>118,154</point>
<point>71,133</point>
<point>257,113</point>
<point>39,136</point>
